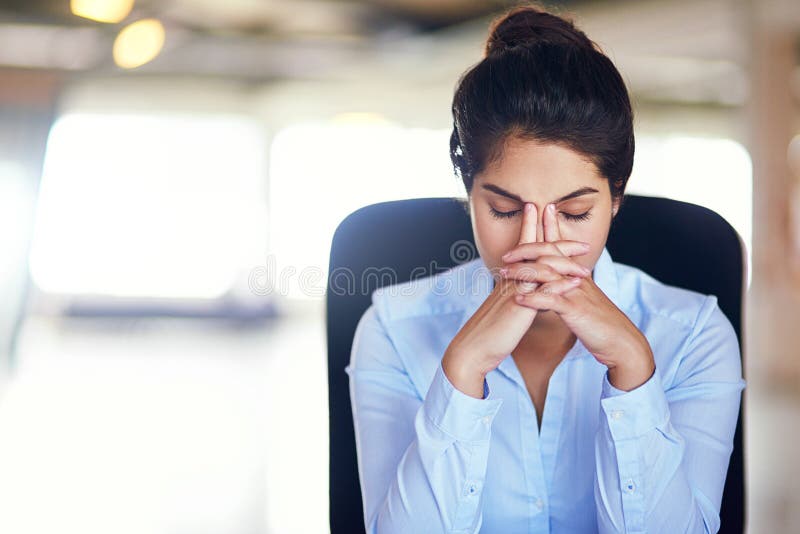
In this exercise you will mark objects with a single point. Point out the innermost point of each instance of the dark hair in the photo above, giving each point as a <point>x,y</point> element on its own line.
<point>541,78</point>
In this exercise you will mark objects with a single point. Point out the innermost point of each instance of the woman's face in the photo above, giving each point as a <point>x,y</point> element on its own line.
<point>540,173</point>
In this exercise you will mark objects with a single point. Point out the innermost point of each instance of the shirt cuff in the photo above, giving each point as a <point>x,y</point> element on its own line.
<point>631,414</point>
<point>462,416</point>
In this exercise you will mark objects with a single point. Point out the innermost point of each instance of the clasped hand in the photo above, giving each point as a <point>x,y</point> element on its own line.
<point>602,327</point>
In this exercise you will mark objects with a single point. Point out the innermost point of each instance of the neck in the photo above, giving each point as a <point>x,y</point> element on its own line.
<point>547,321</point>
<point>548,328</point>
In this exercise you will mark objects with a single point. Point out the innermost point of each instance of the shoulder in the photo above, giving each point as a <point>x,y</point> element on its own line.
<point>417,319</point>
<point>687,329</point>
<point>447,292</point>
<point>652,297</point>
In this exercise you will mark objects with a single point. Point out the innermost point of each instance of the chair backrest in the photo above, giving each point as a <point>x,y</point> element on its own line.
<point>399,239</point>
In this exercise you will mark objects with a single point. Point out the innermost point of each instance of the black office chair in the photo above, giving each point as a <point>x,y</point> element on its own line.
<point>435,234</point>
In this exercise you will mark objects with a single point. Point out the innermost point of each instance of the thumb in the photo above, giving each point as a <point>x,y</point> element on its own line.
<point>528,235</point>
<point>528,232</point>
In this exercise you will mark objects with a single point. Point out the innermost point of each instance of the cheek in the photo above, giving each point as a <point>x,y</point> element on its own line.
<point>494,237</point>
<point>579,230</point>
<point>592,232</point>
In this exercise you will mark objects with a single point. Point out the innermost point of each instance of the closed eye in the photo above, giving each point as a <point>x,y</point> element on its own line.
<point>508,214</point>
<point>582,217</point>
<point>503,214</point>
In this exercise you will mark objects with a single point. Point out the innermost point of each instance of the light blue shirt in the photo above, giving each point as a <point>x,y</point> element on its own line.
<point>432,459</point>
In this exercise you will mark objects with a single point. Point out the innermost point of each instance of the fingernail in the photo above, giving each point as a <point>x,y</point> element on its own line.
<point>506,255</point>
<point>528,207</point>
<point>551,207</point>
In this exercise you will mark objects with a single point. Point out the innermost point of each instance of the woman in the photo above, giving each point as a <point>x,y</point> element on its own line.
<point>547,389</point>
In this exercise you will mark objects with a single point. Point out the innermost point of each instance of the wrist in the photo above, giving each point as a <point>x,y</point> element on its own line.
<point>628,380</point>
<point>634,369</point>
<point>462,375</point>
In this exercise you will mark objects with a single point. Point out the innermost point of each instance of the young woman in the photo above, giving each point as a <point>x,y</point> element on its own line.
<point>548,389</point>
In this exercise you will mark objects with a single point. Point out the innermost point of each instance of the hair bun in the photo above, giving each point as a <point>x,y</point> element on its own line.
<point>530,25</point>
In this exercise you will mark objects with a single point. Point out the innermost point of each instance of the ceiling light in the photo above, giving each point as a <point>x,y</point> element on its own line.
<point>138,43</point>
<point>111,11</point>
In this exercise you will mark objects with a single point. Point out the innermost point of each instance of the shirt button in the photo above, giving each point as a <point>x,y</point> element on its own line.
<point>617,414</point>
<point>473,488</point>
<point>630,486</point>
<point>486,420</point>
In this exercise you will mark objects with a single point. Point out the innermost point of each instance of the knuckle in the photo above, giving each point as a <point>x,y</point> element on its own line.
<point>568,264</point>
<point>526,287</point>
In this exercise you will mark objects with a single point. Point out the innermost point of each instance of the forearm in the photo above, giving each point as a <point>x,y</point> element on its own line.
<point>647,494</point>
<point>437,485</point>
<point>437,488</point>
<point>643,465</point>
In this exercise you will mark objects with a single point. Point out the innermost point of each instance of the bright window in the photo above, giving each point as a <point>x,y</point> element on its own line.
<point>321,172</point>
<point>711,172</point>
<point>149,206</point>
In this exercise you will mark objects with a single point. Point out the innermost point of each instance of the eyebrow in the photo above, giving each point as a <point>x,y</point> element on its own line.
<point>577,193</point>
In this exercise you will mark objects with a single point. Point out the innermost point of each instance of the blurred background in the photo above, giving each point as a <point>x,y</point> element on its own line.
<point>171,174</point>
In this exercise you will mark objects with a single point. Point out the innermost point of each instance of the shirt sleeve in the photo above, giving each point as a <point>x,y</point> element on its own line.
<point>421,462</point>
<point>662,455</point>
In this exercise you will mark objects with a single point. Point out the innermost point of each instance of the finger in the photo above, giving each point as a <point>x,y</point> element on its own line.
<point>529,275</point>
<point>532,251</point>
<point>528,232</point>
<point>549,296</point>
<point>528,235</point>
<point>552,232</point>
<point>527,287</point>
<point>544,269</point>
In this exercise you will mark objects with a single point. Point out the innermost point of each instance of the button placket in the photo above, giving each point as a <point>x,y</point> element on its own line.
<point>472,488</point>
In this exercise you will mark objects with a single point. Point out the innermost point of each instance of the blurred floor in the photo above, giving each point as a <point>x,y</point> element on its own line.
<point>772,434</point>
<point>173,426</point>
<point>166,426</point>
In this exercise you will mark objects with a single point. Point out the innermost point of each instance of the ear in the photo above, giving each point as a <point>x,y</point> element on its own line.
<point>616,200</point>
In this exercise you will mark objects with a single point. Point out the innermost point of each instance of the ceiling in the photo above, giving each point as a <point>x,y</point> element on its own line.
<point>276,17</point>
<point>693,50</point>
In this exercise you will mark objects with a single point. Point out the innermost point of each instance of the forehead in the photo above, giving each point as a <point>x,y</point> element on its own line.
<point>531,168</point>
